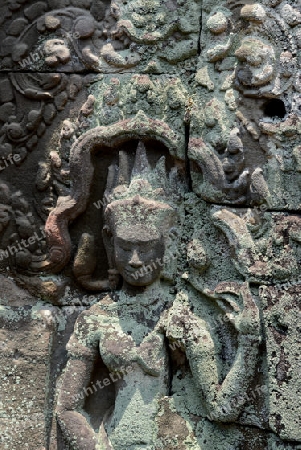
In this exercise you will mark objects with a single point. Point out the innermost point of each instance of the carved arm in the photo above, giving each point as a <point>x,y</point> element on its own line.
<point>75,427</point>
<point>224,399</point>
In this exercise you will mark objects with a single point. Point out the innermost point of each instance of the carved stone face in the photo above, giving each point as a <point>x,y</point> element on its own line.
<point>233,158</point>
<point>56,52</point>
<point>136,250</point>
<point>68,129</point>
<point>4,217</point>
<point>257,61</point>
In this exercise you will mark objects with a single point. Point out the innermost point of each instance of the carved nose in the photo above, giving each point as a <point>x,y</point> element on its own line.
<point>135,260</point>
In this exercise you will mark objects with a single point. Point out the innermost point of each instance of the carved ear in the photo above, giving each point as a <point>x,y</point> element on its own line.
<point>228,297</point>
<point>106,231</point>
<point>109,245</point>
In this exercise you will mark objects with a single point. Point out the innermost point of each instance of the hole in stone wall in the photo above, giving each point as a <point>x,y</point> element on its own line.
<point>274,108</point>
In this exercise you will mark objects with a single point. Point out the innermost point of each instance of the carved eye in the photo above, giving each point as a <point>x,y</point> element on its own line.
<point>125,248</point>
<point>143,250</point>
<point>234,150</point>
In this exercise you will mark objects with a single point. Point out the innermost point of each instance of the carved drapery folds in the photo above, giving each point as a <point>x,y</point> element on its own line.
<point>150,160</point>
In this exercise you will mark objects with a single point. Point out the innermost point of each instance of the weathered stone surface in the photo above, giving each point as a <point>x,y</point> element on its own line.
<point>25,352</point>
<point>281,315</point>
<point>148,36</point>
<point>150,161</point>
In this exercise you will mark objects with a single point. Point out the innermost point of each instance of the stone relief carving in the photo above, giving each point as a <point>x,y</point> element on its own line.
<point>258,61</point>
<point>103,36</point>
<point>22,241</point>
<point>136,227</point>
<point>29,104</point>
<point>263,260</point>
<point>53,176</point>
<point>149,224</point>
<point>137,252</point>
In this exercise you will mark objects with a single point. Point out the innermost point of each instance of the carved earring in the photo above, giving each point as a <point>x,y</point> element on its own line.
<point>114,278</point>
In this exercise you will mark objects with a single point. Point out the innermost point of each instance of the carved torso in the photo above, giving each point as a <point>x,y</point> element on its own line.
<point>130,341</point>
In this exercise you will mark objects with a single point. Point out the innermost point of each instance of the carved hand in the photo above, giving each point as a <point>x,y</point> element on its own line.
<point>183,326</point>
<point>246,319</point>
<point>85,263</point>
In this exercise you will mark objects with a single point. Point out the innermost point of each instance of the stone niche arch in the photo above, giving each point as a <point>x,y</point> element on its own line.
<point>81,175</point>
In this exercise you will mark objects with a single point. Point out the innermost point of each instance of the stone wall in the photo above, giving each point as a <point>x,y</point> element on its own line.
<point>150,228</point>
